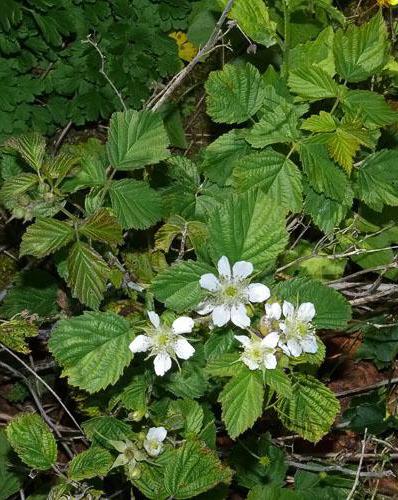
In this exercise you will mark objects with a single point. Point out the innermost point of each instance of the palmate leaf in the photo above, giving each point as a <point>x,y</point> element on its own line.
<point>87,274</point>
<point>324,122</point>
<point>248,227</point>
<point>311,410</point>
<point>327,213</point>
<point>370,108</point>
<point>178,287</point>
<point>242,401</point>
<point>192,470</point>
<point>332,309</point>
<point>93,462</point>
<point>361,51</point>
<point>33,441</point>
<point>313,83</point>
<point>92,349</point>
<point>46,236</point>
<point>234,93</point>
<point>135,204</point>
<point>136,139</point>
<point>376,180</point>
<point>274,174</point>
<point>31,147</point>
<point>102,226</point>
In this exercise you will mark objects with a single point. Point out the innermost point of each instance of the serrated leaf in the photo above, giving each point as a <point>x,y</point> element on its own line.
<point>32,440</point>
<point>15,186</point>
<point>274,174</point>
<point>100,430</point>
<point>88,274</point>
<point>324,122</point>
<point>361,51</point>
<point>332,309</point>
<point>135,204</point>
<point>102,226</point>
<point>134,396</point>
<point>92,349</point>
<point>278,381</point>
<point>311,410</point>
<point>185,414</point>
<point>31,147</point>
<point>93,462</point>
<point>312,83</point>
<point>248,227</point>
<point>242,401</point>
<point>178,286</point>
<point>224,365</point>
<point>46,236</point>
<point>59,166</point>
<point>136,139</point>
<point>14,334</point>
<point>370,108</point>
<point>376,179</point>
<point>234,93</point>
<point>254,19</point>
<point>192,470</point>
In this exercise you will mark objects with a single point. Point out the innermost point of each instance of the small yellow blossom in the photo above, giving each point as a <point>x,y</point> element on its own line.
<point>186,50</point>
<point>387,3</point>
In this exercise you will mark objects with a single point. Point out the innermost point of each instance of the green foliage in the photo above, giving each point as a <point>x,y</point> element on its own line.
<point>14,334</point>
<point>33,441</point>
<point>379,344</point>
<point>45,236</point>
<point>90,463</point>
<point>92,349</point>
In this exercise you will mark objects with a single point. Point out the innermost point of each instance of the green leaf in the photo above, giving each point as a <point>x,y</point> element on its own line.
<point>93,462</point>
<point>323,174</point>
<point>134,396</point>
<point>254,19</point>
<point>58,167</point>
<point>87,274</point>
<point>370,107</point>
<point>242,401</point>
<point>324,122</point>
<point>102,226</point>
<point>224,365</point>
<point>278,381</point>
<point>248,227</point>
<point>15,186</point>
<point>186,414</point>
<point>192,470</point>
<point>135,204</point>
<point>102,429</point>
<point>361,51</point>
<point>274,174</point>
<point>33,441</point>
<point>35,292</point>
<point>136,139</point>
<point>220,156</point>
<point>332,309</point>
<point>46,236</point>
<point>178,286</point>
<point>312,84</point>
<point>311,410</point>
<point>92,349</point>
<point>31,147</point>
<point>234,94</point>
<point>14,334</point>
<point>380,345</point>
<point>376,179</point>
<point>10,483</point>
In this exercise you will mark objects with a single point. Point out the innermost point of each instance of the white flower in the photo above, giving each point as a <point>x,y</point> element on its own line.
<point>154,441</point>
<point>230,292</point>
<point>298,333</point>
<point>165,343</point>
<point>270,321</point>
<point>257,352</point>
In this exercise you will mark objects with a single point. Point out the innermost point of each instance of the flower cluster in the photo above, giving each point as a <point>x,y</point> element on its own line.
<point>285,327</point>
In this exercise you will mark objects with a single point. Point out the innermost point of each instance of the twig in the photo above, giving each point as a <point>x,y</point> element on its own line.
<point>50,389</point>
<point>103,72</point>
<point>62,135</point>
<point>338,468</point>
<point>368,388</point>
<point>358,474</point>
<point>155,103</point>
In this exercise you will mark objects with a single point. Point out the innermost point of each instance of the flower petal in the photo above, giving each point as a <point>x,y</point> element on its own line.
<point>157,433</point>
<point>209,282</point>
<point>154,319</point>
<point>244,340</point>
<point>120,460</point>
<point>204,308</point>
<point>252,365</point>
<point>309,344</point>
<point>306,312</point>
<point>221,315</point>
<point>288,309</point>
<point>183,324</point>
<point>239,316</point>
<point>224,268</point>
<point>183,348</point>
<point>270,361</point>
<point>271,340</point>
<point>258,292</point>
<point>242,269</point>
<point>162,363</point>
<point>140,344</point>
<point>273,311</point>
<point>294,347</point>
